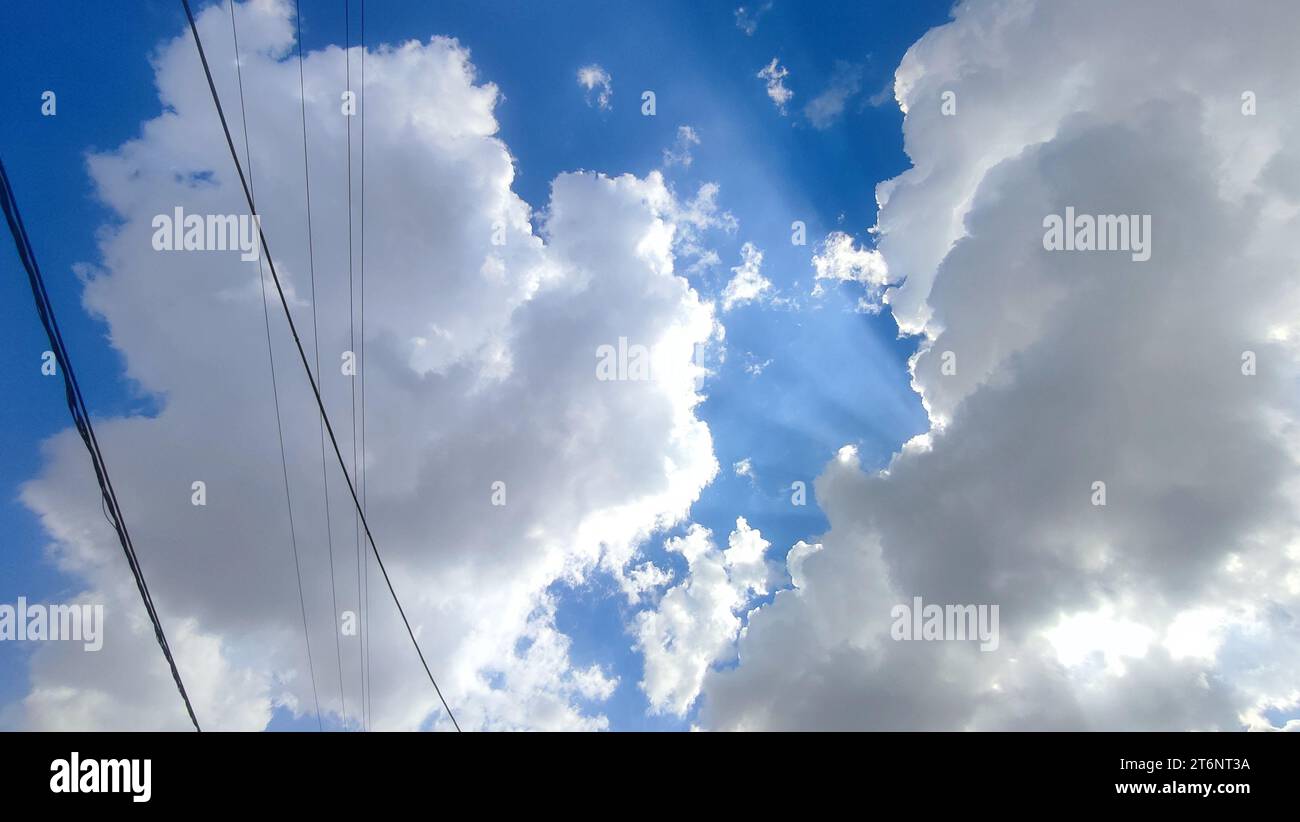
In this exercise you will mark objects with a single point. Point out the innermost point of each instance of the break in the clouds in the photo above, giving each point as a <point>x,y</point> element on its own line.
<point>481,360</point>
<point>773,75</point>
<point>1174,604</point>
<point>598,85</point>
<point>1111,454</point>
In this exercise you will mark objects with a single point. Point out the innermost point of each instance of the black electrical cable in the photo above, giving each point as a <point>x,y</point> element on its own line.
<point>275,392</point>
<point>315,334</point>
<point>365,569</point>
<point>81,417</point>
<point>284,302</point>
<point>352,348</point>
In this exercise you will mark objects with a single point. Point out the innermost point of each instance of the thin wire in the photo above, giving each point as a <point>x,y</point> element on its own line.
<point>365,569</point>
<point>311,263</point>
<point>81,417</point>
<point>275,392</point>
<point>302,354</point>
<point>352,348</point>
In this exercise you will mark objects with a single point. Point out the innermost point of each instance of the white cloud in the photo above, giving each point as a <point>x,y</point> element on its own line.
<point>1170,607</point>
<point>593,684</point>
<point>774,75</point>
<point>695,622</point>
<point>754,366</point>
<point>680,153</point>
<point>704,260</point>
<point>599,86</point>
<point>695,218</point>
<point>794,561</point>
<point>590,473</point>
<point>747,283</point>
<point>744,468</point>
<point>839,259</point>
<point>746,561</point>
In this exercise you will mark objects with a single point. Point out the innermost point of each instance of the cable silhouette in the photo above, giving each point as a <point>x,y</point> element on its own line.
<point>365,569</point>
<point>275,392</point>
<point>302,354</point>
<point>315,333</point>
<point>352,347</point>
<point>81,417</point>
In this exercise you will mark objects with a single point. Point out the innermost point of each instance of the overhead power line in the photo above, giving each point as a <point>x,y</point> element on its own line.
<point>275,392</point>
<point>302,354</point>
<point>81,417</point>
<point>365,569</point>
<point>315,335</point>
<point>352,380</point>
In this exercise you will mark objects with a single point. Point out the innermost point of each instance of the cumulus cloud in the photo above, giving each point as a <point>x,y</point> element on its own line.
<point>598,84</point>
<point>696,622</point>
<point>774,76</point>
<point>1174,605</point>
<point>480,368</point>
<point>747,283</point>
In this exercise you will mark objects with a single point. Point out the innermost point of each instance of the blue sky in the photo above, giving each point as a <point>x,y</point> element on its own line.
<point>836,376</point>
<point>1170,606</point>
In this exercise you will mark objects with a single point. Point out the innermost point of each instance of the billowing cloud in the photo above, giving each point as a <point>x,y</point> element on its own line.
<point>1171,381</point>
<point>696,621</point>
<point>480,377</point>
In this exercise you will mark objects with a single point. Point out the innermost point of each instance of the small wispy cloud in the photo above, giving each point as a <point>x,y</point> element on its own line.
<point>696,218</point>
<point>885,95</point>
<point>774,74</point>
<point>754,366</point>
<point>680,153</point>
<point>747,283</point>
<point>826,108</point>
<point>747,17</point>
<point>599,85</point>
<point>744,468</point>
